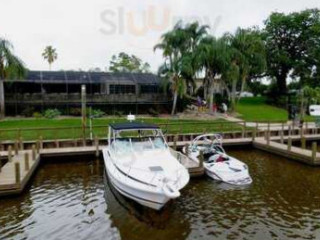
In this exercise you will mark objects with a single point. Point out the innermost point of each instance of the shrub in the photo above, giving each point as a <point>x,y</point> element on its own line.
<point>52,113</point>
<point>37,115</point>
<point>118,113</point>
<point>153,112</point>
<point>97,113</point>
<point>28,111</point>
<point>75,112</point>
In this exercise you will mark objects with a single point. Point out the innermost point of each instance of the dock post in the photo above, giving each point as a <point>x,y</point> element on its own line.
<point>303,143</point>
<point>175,138</point>
<point>38,147</point>
<point>289,130</point>
<point>254,133</point>
<point>33,152</point>
<point>314,151</point>
<point>268,137</point>
<point>41,142</point>
<point>281,137</point>
<point>57,143</point>
<point>96,143</point>
<point>26,161</point>
<point>187,150</point>
<point>17,171</point>
<point>20,143</point>
<point>201,159</point>
<point>307,128</point>
<point>242,133</point>
<point>10,153</point>
<point>0,163</point>
<point>16,148</point>
<point>289,144</point>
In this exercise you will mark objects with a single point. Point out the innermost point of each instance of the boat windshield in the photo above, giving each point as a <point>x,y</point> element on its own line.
<point>127,145</point>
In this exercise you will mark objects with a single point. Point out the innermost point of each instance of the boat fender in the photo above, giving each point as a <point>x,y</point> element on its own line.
<point>170,191</point>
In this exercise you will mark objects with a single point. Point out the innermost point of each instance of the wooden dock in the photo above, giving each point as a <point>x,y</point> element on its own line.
<point>16,173</point>
<point>18,169</point>
<point>311,157</point>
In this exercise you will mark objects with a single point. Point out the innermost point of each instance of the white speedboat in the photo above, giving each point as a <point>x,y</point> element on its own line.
<point>218,165</point>
<point>140,165</point>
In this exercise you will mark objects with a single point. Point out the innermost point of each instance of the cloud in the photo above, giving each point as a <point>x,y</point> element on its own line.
<point>87,33</point>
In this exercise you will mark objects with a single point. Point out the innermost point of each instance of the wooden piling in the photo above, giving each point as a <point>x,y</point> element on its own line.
<point>244,130</point>
<point>26,161</point>
<point>20,143</point>
<point>16,147</point>
<point>187,150</point>
<point>38,147</point>
<point>201,159</point>
<point>268,138</point>
<point>41,142</point>
<point>17,172</point>
<point>57,143</point>
<point>10,153</point>
<point>175,139</point>
<point>303,143</point>
<point>0,163</point>
<point>254,133</point>
<point>281,137</point>
<point>289,144</point>
<point>33,152</point>
<point>314,151</point>
<point>96,143</point>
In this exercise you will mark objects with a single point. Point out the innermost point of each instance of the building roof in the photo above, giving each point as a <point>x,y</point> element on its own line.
<point>133,126</point>
<point>80,77</point>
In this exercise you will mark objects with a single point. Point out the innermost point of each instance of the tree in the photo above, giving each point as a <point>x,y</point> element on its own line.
<point>128,63</point>
<point>214,56</point>
<point>173,44</point>
<point>194,33</point>
<point>248,59</point>
<point>11,67</point>
<point>291,41</point>
<point>50,54</point>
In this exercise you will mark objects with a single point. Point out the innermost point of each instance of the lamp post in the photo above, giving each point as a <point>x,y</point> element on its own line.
<point>83,111</point>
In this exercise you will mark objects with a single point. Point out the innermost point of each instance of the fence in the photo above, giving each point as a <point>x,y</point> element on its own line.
<point>169,128</point>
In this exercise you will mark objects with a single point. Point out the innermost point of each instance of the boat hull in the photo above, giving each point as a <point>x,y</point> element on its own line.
<point>144,193</point>
<point>146,198</point>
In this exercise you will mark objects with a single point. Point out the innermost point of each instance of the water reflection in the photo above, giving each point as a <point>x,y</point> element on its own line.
<point>133,219</point>
<point>73,200</point>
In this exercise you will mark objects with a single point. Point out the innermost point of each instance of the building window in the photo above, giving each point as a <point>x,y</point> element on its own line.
<point>122,89</point>
<point>149,88</point>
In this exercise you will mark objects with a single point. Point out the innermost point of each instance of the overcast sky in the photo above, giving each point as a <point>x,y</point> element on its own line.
<point>87,33</point>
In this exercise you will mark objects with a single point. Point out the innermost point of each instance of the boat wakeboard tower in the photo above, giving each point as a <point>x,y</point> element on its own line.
<point>218,165</point>
<point>140,165</point>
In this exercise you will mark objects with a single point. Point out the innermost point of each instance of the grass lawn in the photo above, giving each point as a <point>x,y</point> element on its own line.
<point>69,128</point>
<point>255,109</point>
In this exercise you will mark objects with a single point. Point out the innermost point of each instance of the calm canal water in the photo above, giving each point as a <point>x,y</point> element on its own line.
<point>74,201</point>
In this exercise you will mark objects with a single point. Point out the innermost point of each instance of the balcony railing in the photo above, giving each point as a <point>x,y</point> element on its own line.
<point>76,97</point>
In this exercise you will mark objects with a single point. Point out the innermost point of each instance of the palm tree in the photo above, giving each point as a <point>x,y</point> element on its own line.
<point>11,67</point>
<point>194,34</point>
<point>214,57</point>
<point>251,58</point>
<point>173,45</point>
<point>50,54</point>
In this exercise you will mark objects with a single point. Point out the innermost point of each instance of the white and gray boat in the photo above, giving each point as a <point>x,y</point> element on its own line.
<point>141,166</point>
<point>218,165</point>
